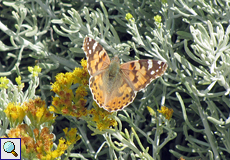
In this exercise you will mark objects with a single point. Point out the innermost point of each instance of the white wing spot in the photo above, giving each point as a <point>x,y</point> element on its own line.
<point>157,70</point>
<point>159,62</point>
<point>152,72</point>
<point>88,47</point>
<point>94,46</point>
<point>87,43</point>
<point>90,39</point>
<point>150,64</point>
<point>90,51</point>
<point>159,67</point>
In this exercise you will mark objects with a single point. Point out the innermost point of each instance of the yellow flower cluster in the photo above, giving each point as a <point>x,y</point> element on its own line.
<point>40,146</point>
<point>68,103</point>
<point>71,136</point>
<point>24,132</point>
<point>36,110</point>
<point>102,118</point>
<point>3,82</point>
<point>37,142</point>
<point>81,75</point>
<point>166,112</point>
<point>15,113</point>
<point>38,113</point>
<point>45,151</point>
<point>19,82</point>
<point>157,18</point>
<point>35,70</point>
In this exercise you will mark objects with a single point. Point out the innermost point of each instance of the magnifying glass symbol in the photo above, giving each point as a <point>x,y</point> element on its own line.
<point>9,147</point>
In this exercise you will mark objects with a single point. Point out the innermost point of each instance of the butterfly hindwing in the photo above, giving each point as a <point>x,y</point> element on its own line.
<point>113,99</point>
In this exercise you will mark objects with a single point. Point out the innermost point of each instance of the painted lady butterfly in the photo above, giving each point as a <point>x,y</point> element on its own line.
<point>113,85</point>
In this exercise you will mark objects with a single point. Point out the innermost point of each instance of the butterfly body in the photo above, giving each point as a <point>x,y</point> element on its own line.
<point>113,71</point>
<point>114,85</point>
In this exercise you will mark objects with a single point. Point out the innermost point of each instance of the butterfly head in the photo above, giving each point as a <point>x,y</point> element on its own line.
<point>116,59</point>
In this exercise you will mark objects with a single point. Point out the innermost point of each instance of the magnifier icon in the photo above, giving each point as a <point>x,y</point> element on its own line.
<point>9,147</point>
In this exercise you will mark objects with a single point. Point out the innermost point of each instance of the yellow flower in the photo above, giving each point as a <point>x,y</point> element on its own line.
<point>102,118</point>
<point>47,157</point>
<point>34,70</point>
<point>30,69</point>
<point>37,69</point>
<point>166,112</point>
<point>15,113</point>
<point>71,136</point>
<point>113,123</point>
<point>44,143</point>
<point>81,92</point>
<point>19,82</point>
<point>81,74</point>
<point>129,17</point>
<point>77,73</point>
<point>38,113</point>
<point>52,109</point>
<point>84,64</point>
<point>3,82</point>
<point>55,154</point>
<point>60,148</point>
<point>151,111</point>
<point>157,18</point>
<point>56,87</point>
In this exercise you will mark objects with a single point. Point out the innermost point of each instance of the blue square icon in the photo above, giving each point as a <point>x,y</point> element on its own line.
<point>10,148</point>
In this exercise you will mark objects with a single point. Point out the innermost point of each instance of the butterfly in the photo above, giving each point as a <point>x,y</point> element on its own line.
<point>113,85</point>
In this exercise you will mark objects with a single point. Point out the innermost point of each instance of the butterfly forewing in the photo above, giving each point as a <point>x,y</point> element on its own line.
<point>140,73</point>
<point>97,58</point>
